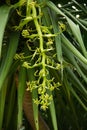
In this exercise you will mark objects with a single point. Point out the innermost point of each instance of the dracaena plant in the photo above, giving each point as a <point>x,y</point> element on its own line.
<point>39,40</point>
<point>42,66</point>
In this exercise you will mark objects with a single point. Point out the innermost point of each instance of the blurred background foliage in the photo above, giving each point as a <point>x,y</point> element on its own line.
<point>68,110</point>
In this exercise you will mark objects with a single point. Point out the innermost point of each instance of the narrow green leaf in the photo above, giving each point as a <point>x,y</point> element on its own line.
<point>76,82</point>
<point>21,90</point>
<point>14,37</point>
<point>69,99</point>
<point>52,110</point>
<point>2,102</point>
<point>11,104</point>
<point>63,13</point>
<point>53,114</point>
<point>4,14</point>
<point>72,60</point>
<point>76,32</point>
<point>77,97</point>
<point>73,49</point>
<point>57,40</point>
<point>54,7</point>
<point>83,21</point>
<point>14,66</point>
<point>35,109</point>
<point>34,96</point>
<point>58,37</point>
<point>74,18</point>
<point>81,6</point>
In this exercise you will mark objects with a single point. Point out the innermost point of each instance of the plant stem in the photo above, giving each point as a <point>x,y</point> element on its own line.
<point>28,9</point>
<point>38,28</point>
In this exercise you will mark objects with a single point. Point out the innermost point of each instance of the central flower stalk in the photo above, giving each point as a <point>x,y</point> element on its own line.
<point>41,41</point>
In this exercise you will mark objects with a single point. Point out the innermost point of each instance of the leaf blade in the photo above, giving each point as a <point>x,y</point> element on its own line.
<point>4,14</point>
<point>13,43</point>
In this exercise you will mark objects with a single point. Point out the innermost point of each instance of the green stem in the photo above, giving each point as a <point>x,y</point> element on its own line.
<point>38,28</point>
<point>28,9</point>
